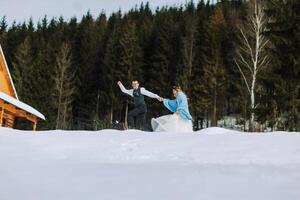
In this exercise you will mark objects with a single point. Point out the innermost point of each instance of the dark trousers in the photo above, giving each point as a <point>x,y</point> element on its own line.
<point>140,113</point>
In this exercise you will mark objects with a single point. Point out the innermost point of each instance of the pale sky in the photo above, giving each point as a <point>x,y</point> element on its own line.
<point>22,10</point>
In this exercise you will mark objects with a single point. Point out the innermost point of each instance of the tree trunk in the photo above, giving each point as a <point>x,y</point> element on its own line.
<point>58,112</point>
<point>214,108</point>
<point>207,119</point>
<point>126,115</point>
<point>111,114</point>
<point>252,125</point>
<point>64,121</point>
<point>245,115</point>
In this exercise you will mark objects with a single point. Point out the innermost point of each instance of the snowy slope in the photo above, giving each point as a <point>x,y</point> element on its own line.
<point>211,164</point>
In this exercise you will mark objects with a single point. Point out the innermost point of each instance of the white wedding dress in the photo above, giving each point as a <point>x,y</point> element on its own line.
<point>171,123</point>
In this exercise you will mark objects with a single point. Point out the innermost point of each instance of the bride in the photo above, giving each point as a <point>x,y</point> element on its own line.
<point>180,120</point>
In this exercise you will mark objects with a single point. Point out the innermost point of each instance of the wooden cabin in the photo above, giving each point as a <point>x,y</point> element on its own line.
<point>11,108</point>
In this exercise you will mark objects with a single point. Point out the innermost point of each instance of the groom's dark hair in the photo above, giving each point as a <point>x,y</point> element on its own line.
<point>176,87</point>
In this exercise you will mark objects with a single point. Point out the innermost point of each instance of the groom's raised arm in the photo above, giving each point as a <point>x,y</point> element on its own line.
<point>124,90</point>
<point>149,94</point>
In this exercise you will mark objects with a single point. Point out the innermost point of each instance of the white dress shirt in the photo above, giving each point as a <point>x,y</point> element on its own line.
<point>143,91</point>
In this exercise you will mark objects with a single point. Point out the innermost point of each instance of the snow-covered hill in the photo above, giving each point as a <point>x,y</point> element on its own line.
<point>212,164</point>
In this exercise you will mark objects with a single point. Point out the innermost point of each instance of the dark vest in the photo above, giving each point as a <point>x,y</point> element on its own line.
<point>138,97</point>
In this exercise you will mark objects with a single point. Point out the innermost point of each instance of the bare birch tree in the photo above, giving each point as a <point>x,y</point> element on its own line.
<point>251,54</point>
<point>64,87</point>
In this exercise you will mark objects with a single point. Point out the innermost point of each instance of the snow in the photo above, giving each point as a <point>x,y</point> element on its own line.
<point>21,105</point>
<point>211,164</point>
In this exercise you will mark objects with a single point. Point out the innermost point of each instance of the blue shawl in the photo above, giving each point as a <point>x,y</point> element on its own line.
<point>179,104</point>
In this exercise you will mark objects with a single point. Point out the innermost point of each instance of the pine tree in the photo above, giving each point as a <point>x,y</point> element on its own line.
<point>188,48</point>
<point>130,60</point>
<point>109,92</point>
<point>130,56</point>
<point>160,63</point>
<point>43,87</point>
<point>64,87</point>
<point>3,32</point>
<point>213,70</point>
<point>159,74</point>
<point>23,71</point>
<point>284,33</point>
<point>85,58</point>
<point>198,104</point>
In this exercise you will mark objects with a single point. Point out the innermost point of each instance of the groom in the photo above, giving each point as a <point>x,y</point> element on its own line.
<point>140,108</point>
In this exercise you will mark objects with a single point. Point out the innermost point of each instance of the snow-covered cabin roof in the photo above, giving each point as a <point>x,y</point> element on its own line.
<point>21,105</point>
<point>7,71</point>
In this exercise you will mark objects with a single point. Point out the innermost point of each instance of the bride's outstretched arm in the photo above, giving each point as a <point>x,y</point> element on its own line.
<point>170,104</point>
